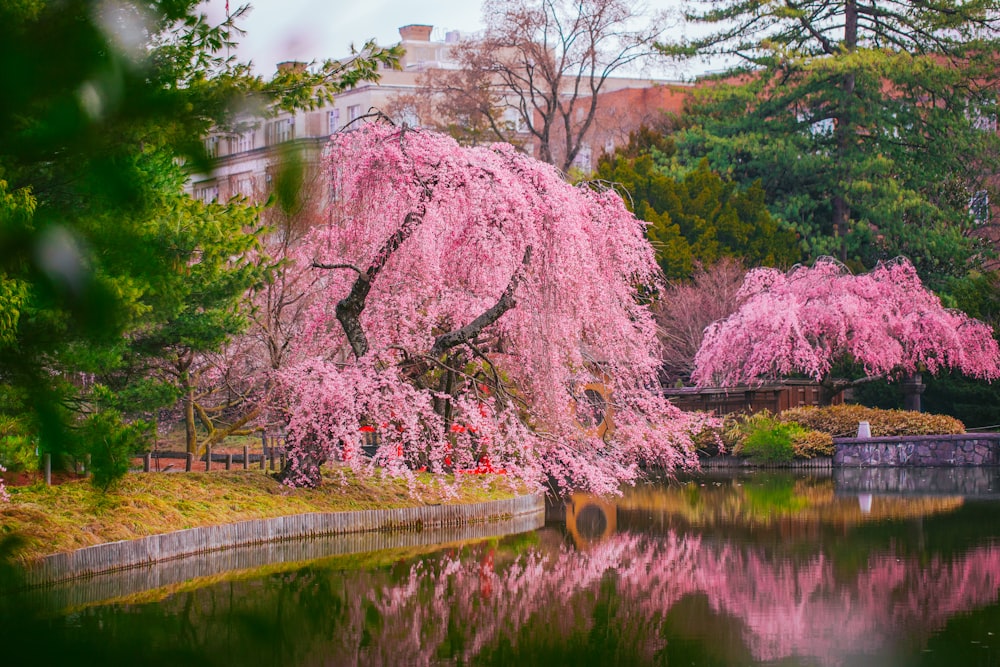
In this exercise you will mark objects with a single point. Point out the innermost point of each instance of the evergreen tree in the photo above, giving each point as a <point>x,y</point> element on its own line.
<point>871,125</point>
<point>698,218</point>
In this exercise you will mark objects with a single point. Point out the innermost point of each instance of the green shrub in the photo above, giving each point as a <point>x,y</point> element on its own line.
<point>766,438</point>
<point>17,446</point>
<point>737,426</point>
<point>770,444</point>
<point>842,421</point>
<point>111,443</point>
<point>808,443</point>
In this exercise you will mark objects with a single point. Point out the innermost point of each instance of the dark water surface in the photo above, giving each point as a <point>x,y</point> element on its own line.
<point>758,569</point>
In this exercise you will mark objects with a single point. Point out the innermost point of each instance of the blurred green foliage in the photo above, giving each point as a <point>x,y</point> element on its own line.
<point>108,271</point>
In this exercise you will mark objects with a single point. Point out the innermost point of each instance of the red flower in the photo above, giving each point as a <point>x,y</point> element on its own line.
<point>457,428</point>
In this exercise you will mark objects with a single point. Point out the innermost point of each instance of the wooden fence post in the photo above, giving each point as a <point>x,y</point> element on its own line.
<point>229,461</point>
<point>208,457</point>
<point>263,449</point>
<point>146,460</point>
<point>190,462</point>
<point>246,457</point>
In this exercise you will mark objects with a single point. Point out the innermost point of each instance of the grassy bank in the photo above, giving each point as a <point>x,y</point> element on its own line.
<point>74,515</point>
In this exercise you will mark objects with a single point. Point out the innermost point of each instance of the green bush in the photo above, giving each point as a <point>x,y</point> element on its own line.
<point>765,437</point>
<point>111,443</point>
<point>17,446</point>
<point>770,445</point>
<point>842,421</point>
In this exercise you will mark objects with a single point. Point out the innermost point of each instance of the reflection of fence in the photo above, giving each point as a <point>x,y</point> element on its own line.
<point>723,401</point>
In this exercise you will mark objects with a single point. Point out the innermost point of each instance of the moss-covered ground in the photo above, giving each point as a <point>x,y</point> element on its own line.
<point>76,514</point>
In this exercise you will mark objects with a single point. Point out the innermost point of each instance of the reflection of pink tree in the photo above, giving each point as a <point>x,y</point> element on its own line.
<point>807,320</point>
<point>471,295</point>
<point>785,608</point>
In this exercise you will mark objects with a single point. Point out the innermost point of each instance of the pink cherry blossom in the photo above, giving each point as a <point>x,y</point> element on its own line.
<point>808,319</point>
<point>468,295</point>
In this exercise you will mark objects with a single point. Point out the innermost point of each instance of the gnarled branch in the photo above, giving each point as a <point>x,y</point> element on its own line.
<point>471,330</point>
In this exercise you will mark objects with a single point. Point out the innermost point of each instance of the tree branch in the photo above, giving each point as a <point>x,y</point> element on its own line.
<point>320,265</point>
<point>474,328</point>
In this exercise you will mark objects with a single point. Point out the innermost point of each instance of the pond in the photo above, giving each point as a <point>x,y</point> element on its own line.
<point>831,568</point>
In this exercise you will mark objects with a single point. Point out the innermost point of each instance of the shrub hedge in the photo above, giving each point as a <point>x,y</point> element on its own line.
<point>764,437</point>
<point>842,421</point>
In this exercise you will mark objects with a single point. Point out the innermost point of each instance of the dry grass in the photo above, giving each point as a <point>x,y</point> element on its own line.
<point>74,515</point>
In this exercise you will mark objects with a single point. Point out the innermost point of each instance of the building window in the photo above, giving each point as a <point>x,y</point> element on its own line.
<point>242,184</point>
<point>212,146</point>
<point>822,128</point>
<point>582,161</point>
<point>241,143</point>
<point>353,112</point>
<point>206,192</point>
<point>332,121</point>
<point>278,131</point>
<point>513,120</point>
<point>982,117</point>
<point>979,208</point>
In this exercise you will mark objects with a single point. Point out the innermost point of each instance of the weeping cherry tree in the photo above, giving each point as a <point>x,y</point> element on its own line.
<point>807,320</point>
<point>470,298</point>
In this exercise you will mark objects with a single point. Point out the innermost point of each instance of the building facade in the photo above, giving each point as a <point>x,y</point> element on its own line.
<point>245,164</point>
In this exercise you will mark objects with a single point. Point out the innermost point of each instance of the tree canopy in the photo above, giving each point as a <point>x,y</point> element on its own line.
<point>699,217</point>
<point>806,320</point>
<point>472,299</point>
<point>870,125</point>
<point>534,76</point>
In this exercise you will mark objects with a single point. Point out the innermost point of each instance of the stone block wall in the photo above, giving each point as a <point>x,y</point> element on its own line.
<point>968,449</point>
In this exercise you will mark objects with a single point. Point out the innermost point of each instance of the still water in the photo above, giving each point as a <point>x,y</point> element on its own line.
<point>845,568</point>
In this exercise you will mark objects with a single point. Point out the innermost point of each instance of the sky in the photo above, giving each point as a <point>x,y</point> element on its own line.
<point>308,30</point>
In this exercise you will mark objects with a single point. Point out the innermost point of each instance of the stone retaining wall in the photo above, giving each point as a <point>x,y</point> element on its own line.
<point>968,449</point>
<point>134,553</point>
<point>152,576</point>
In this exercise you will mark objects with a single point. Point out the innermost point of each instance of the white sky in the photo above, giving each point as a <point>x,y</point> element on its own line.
<point>307,30</point>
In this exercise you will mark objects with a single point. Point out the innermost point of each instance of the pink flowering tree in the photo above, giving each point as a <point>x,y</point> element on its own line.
<point>469,297</point>
<point>806,320</point>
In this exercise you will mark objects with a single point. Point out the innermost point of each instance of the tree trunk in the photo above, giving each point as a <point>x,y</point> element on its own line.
<point>302,468</point>
<point>827,390</point>
<point>190,430</point>
<point>845,134</point>
<point>913,387</point>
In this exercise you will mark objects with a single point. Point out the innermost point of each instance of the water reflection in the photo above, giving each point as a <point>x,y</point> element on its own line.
<point>762,569</point>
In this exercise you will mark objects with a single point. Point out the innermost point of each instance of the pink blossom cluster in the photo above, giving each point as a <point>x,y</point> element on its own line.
<point>806,320</point>
<point>469,225</point>
<point>4,495</point>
